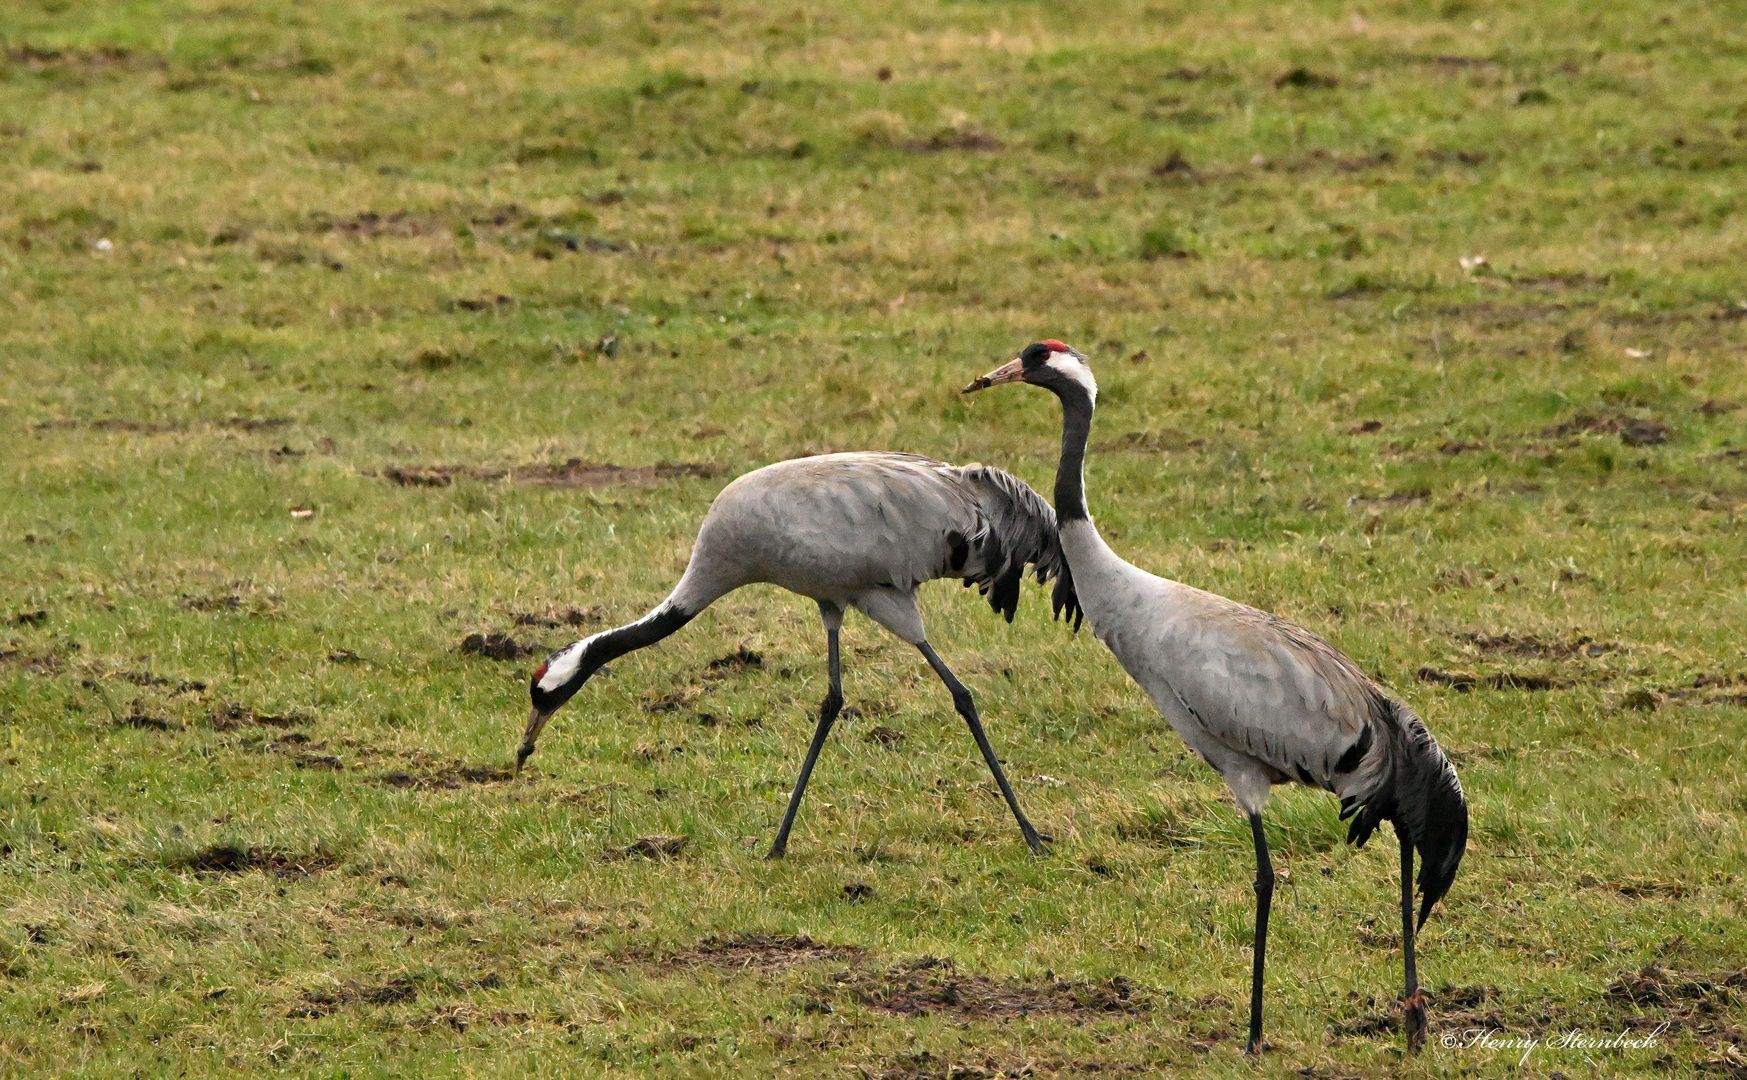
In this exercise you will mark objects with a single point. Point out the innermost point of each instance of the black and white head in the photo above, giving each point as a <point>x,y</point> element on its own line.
<point>555,681</point>
<point>1049,364</point>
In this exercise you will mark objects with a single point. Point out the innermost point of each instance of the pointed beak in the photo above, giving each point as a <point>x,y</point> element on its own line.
<point>1012,371</point>
<point>536,721</point>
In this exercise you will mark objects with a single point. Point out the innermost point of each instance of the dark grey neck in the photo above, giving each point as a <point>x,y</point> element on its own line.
<point>1070,480</point>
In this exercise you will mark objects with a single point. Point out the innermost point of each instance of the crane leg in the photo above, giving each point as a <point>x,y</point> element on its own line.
<point>967,708</point>
<point>1264,898</point>
<point>828,710</point>
<point>1413,1010</point>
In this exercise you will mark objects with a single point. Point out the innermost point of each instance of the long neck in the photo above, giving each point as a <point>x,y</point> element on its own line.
<point>612,644</point>
<point>1070,480</point>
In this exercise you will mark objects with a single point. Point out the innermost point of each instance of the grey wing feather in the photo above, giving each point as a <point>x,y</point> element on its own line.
<point>1279,694</point>
<point>838,523</point>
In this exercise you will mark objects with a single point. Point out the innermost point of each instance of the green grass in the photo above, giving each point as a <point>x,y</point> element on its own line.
<point>343,239</point>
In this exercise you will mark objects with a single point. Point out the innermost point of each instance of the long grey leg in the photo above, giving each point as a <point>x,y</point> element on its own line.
<point>1413,1008</point>
<point>1264,899</point>
<point>967,708</point>
<point>828,710</point>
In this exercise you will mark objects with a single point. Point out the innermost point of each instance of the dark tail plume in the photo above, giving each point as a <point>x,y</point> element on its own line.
<point>1421,795</point>
<point>1021,531</point>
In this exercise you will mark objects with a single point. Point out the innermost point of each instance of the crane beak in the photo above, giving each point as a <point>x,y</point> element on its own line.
<point>1012,371</point>
<point>536,721</point>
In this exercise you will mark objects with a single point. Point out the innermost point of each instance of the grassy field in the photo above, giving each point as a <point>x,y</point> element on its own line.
<point>306,310</point>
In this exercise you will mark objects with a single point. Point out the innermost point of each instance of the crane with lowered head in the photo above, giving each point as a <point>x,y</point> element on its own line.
<point>856,530</point>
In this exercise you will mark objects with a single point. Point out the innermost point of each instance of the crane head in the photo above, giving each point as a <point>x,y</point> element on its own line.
<point>555,681</point>
<point>1049,364</point>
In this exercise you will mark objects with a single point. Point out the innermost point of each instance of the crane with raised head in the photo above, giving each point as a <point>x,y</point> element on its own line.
<point>1262,701</point>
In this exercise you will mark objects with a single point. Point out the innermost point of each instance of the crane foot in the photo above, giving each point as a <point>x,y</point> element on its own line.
<point>1413,1020</point>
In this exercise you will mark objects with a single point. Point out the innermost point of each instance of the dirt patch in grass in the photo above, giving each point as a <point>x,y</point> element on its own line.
<point>462,1017</point>
<point>554,618</point>
<point>370,223</point>
<point>1721,688</point>
<point>48,663</point>
<point>1164,828</point>
<point>318,1003</point>
<point>1462,681</point>
<point>1703,1005</point>
<point>148,427</point>
<point>1529,645</point>
<point>39,58</point>
<point>884,736</point>
<point>574,473</point>
<point>1394,498</point>
<point>758,952</point>
<point>227,859</point>
<point>1656,985</point>
<point>1632,430</point>
<point>231,716</point>
<point>955,139</point>
<point>655,846</point>
<point>933,985</point>
<point>498,647</point>
<point>675,699</point>
<point>925,1065</point>
<point>447,777</point>
<point>1635,888</point>
<point>147,723</point>
<point>740,660</point>
<point>175,686</point>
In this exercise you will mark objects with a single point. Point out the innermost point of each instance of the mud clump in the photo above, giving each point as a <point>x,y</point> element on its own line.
<point>497,647</point>
<point>1529,645</point>
<point>675,699</point>
<point>1632,430</point>
<point>1463,682</point>
<point>1656,985</point>
<point>741,659</point>
<point>318,1003</point>
<point>231,717</point>
<point>227,859</point>
<point>175,686</point>
<point>933,985</point>
<point>760,952</point>
<point>446,778</point>
<point>146,723</point>
<point>573,473</point>
<point>48,663</point>
<point>370,223</point>
<point>649,847</point>
<point>552,620</point>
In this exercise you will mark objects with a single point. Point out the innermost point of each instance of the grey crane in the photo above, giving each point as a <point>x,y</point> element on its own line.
<point>1262,701</point>
<point>859,531</point>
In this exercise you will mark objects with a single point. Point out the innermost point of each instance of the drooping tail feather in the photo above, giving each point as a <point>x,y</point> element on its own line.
<point>1021,531</point>
<point>1416,787</point>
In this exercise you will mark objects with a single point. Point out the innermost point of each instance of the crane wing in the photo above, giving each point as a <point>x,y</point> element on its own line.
<point>851,522</point>
<point>1264,688</point>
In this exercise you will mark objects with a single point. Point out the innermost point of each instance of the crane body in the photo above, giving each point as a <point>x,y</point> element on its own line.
<point>856,530</point>
<point>1261,701</point>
